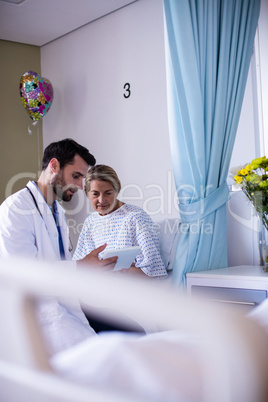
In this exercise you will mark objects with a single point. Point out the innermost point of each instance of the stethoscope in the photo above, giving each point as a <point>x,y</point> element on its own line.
<point>38,209</point>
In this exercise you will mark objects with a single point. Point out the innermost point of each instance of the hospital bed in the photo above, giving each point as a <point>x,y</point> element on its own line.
<point>216,354</point>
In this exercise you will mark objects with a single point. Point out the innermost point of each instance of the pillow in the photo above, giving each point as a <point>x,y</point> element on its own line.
<point>168,232</point>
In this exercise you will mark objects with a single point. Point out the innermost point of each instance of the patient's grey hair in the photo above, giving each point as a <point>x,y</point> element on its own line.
<point>103,173</point>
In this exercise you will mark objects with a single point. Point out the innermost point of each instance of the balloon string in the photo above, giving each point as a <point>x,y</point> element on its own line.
<point>33,124</point>
<point>38,150</point>
<point>38,143</point>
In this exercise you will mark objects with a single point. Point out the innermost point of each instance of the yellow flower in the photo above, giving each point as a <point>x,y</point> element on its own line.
<point>252,178</point>
<point>243,172</point>
<point>238,179</point>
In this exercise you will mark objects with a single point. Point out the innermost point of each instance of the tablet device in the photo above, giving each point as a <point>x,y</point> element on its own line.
<point>126,256</point>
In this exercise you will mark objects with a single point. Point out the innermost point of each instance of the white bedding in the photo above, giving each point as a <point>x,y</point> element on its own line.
<point>155,366</point>
<point>164,366</point>
<point>205,353</point>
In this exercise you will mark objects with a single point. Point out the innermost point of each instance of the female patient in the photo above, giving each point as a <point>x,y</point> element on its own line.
<point>118,224</point>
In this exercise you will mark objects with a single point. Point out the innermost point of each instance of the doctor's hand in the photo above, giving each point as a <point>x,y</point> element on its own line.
<point>92,259</point>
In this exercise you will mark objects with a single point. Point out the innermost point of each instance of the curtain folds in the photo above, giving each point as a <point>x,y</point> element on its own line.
<point>209,45</point>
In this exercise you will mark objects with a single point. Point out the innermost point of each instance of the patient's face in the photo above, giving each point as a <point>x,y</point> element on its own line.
<point>103,197</point>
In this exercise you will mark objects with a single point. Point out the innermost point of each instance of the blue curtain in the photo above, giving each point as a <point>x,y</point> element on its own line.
<point>209,45</point>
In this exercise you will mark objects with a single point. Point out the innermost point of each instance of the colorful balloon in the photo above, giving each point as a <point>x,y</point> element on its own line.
<point>36,94</point>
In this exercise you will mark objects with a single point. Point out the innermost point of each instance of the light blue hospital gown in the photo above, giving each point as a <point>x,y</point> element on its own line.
<point>128,226</point>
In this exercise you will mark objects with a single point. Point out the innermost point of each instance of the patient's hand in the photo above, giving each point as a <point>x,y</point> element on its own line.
<point>133,270</point>
<point>92,259</point>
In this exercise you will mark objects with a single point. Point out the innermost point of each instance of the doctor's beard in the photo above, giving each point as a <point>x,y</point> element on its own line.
<point>61,189</point>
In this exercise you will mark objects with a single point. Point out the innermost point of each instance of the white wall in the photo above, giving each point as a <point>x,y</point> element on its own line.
<point>262,67</point>
<point>242,239</point>
<point>88,69</point>
<point>251,142</point>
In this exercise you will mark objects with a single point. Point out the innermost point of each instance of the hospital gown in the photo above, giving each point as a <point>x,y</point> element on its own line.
<point>127,226</point>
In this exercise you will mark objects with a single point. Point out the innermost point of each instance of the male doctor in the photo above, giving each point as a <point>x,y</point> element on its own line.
<point>32,222</point>
<point>33,225</point>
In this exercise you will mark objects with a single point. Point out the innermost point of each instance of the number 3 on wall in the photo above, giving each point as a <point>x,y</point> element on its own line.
<point>127,88</point>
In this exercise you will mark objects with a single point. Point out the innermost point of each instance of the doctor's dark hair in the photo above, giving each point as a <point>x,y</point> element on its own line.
<point>64,151</point>
<point>102,173</point>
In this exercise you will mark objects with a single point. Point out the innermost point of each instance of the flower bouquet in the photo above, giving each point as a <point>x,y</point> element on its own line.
<point>252,178</point>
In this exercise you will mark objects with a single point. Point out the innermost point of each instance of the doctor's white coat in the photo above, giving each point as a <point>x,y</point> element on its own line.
<point>30,233</point>
<point>24,232</point>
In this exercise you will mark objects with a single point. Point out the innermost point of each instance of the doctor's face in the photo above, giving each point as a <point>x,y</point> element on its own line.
<point>69,179</point>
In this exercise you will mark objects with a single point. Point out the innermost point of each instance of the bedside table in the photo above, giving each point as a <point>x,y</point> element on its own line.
<point>245,286</point>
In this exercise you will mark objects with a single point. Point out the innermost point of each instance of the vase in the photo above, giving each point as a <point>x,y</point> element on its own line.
<point>264,253</point>
<point>263,246</point>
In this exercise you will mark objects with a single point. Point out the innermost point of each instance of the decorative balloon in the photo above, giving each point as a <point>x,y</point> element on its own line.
<point>36,94</point>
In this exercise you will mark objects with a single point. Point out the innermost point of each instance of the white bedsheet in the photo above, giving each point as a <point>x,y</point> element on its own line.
<point>206,353</point>
<point>165,366</point>
<point>155,366</point>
